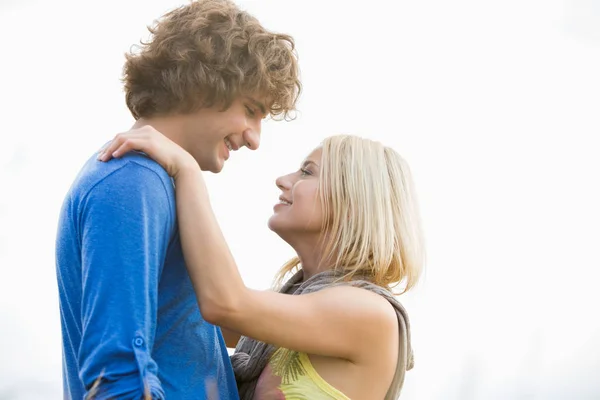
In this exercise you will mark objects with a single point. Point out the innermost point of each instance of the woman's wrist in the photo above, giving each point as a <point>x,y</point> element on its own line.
<point>187,165</point>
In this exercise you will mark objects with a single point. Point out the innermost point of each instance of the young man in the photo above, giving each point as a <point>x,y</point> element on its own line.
<point>130,320</point>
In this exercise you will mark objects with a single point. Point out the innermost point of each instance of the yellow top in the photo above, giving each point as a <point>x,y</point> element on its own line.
<point>291,376</point>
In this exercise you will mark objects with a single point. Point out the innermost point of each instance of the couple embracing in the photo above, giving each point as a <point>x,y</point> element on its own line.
<point>150,294</point>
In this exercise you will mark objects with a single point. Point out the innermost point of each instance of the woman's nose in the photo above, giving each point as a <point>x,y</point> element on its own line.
<point>283,182</point>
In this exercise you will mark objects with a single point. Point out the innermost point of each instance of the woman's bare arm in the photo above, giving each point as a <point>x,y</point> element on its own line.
<point>333,322</point>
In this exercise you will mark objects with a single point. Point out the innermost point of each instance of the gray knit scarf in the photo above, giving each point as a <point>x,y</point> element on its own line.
<point>252,356</point>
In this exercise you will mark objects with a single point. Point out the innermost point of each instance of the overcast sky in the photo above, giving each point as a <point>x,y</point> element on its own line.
<point>495,105</point>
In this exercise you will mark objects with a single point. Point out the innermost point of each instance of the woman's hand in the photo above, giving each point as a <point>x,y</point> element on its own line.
<point>146,139</point>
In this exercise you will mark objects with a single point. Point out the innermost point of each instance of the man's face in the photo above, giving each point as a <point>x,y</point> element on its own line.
<point>210,135</point>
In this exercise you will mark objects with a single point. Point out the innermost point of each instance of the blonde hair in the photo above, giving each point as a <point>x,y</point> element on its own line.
<point>373,229</point>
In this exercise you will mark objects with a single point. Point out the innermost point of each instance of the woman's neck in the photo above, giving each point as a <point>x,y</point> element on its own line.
<point>309,249</point>
<point>312,263</point>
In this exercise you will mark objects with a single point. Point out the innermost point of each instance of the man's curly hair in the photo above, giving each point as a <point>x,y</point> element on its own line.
<point>208,53</point>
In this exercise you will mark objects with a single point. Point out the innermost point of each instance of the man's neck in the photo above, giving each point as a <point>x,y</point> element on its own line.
<point>170,127</point>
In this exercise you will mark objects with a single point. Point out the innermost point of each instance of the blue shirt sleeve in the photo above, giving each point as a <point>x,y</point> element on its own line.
<point>125,223</point>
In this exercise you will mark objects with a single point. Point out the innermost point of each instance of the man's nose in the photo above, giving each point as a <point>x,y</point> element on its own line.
<point>252,138</point>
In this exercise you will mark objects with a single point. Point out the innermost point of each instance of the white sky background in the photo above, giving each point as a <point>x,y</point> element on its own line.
<point>495,105</point>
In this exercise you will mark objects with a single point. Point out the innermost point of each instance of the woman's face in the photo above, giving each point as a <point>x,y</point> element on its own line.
<point>299,212</point>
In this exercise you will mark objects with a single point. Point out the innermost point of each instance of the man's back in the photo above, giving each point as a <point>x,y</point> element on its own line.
<point>129,313</point>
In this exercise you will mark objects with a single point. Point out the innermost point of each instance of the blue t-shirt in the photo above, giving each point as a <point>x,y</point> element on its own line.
<point>128,310</point>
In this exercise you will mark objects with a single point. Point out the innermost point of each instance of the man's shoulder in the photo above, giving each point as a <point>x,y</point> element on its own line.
<point>134,171</point>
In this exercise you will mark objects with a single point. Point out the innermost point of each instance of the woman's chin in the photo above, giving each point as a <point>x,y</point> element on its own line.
<point>275,225</point>
<point>272,224</point>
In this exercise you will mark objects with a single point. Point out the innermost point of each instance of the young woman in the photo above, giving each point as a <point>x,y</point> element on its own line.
<point>334,330</point>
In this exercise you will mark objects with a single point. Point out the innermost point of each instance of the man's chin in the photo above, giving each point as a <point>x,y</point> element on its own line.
<point>214,167</point>
<point>218,166</point>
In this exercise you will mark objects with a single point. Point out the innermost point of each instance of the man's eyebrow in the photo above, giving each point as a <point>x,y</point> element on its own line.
<point>258,104</point>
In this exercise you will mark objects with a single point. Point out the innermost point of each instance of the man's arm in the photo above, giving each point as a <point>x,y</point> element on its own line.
<point>125,225</point>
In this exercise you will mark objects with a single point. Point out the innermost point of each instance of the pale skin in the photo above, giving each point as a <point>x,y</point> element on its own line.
<point>350,334</point>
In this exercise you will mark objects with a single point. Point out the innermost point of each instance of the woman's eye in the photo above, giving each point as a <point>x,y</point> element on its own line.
<point>250,111</point>
<point>304,172</point>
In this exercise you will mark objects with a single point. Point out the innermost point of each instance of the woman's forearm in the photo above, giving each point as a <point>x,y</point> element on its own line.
<point>217,282</point>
